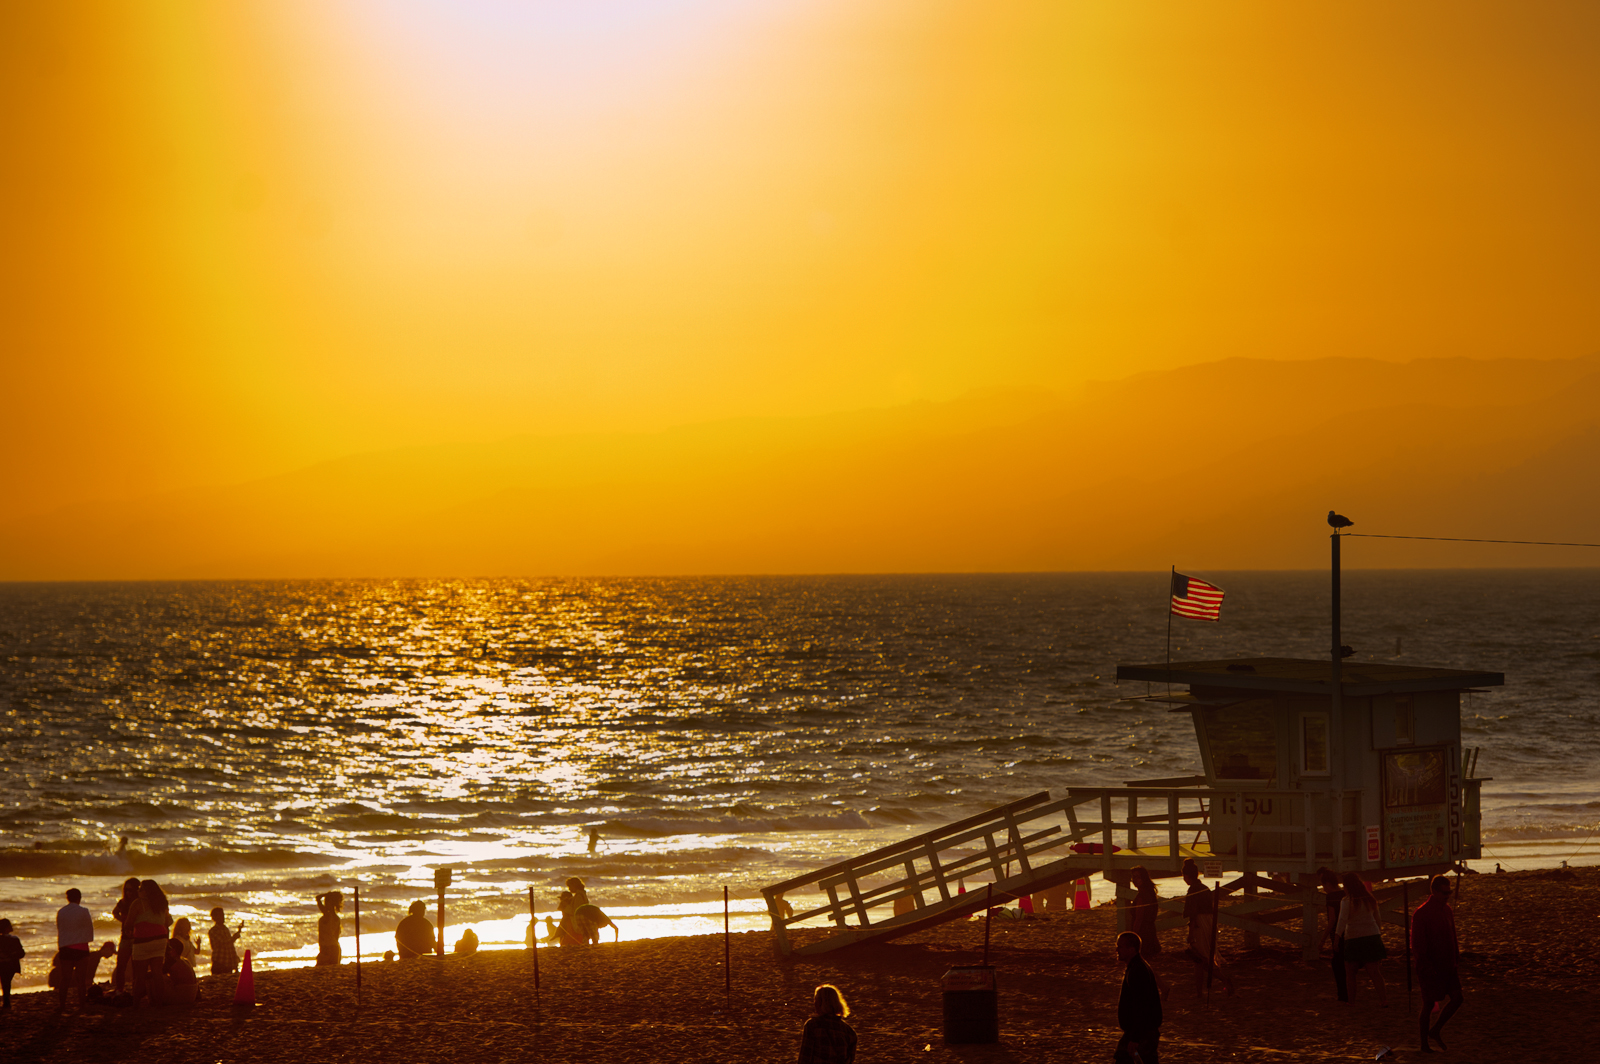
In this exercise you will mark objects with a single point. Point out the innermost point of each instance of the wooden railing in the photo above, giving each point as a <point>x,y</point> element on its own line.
<point>1034,843</point>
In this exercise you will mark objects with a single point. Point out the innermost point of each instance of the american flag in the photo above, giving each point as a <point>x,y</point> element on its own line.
<point>1195,598</point>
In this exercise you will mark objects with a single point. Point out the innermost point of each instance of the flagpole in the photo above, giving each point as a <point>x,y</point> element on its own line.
<point>1171,579</point>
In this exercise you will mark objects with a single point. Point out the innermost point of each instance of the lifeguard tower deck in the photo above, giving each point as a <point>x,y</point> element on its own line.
<point>1298,776</point>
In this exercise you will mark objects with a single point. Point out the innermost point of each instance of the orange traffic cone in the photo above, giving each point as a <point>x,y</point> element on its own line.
<point>1080,894</point>
<point>246,994</point>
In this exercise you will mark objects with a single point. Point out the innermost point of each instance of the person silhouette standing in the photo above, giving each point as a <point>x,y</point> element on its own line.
<point>328,927</point>
<point>1143,912</point>
<point>1433,942</point>
<point>1200,908</point>
<point>1362,935</point>
<point>1139,1005</point>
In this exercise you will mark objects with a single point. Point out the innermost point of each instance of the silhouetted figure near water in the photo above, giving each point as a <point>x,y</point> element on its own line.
<point>224,955</point>
<point>151,919</point>
<point>1143,911</point>
<point>130,894</point>
<point>1139,1006</point>
<point>589,919</point>
<point>826,1038</point>
<point>74,933</point>
<point>328,927</point>
<point>468,943</point>
<point>1433,941</point>
<point>1363,937</point>
<point>414,936</point>
<point>11,954</point>
<point>1333,898</point>
<point>1200,907</point>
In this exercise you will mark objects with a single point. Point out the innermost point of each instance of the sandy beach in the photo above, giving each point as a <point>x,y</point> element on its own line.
<point>1531,955</point>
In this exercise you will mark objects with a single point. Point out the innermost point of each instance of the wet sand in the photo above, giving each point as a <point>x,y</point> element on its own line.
<point>1531,943</point>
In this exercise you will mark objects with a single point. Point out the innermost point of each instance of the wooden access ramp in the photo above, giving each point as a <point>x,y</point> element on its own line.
<point>1009,847</point>
<point>1035,843</point>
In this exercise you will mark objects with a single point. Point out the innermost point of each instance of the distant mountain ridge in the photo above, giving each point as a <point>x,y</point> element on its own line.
<point>1225,465</point>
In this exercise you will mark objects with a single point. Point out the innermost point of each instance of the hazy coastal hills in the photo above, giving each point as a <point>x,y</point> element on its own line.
<point>1223,465</point>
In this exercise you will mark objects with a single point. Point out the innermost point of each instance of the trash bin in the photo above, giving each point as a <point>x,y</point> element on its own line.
<point>971,1005</point>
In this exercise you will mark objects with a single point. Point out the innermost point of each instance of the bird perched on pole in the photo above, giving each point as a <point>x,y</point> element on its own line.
<point>1338,520</point>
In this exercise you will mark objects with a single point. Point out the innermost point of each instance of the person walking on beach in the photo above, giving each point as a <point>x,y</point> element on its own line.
<point>1142,913</point>
<point>1333,897</point>
<point>414,937</point>
<point>224,955</point>
<point>1139,1006</point>
<point>328,927</point>
<point>11,954</point>
<point>1362,935</point>
<point>119,913</point>
<point>1200,909</point>
<point>1433,942</point>
<point>150,919</point>
<point>74,933</point>
<point>826,1038</point>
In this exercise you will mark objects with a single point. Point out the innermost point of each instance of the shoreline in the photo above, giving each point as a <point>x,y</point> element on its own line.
<point>1530,957</point>
<point>500,920</point>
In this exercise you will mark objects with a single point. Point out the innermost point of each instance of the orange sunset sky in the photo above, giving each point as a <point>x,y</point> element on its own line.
<point>390,287</point>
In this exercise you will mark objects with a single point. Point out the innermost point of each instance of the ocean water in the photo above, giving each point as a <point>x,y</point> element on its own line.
<point>256,743</point>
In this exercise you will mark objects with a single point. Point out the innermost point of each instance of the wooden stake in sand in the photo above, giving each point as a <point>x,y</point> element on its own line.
<point>441,880</point>
<point>727,948</point>
<point>1405,909</point>
<point>1216,921</point>
<point>358,944</point>
<point>533,937</point>
<point>988,918</point>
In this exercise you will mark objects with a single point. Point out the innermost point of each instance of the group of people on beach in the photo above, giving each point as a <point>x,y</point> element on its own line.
<point>415,936</point>
<point>155,954</point>
<point>1352,929</point>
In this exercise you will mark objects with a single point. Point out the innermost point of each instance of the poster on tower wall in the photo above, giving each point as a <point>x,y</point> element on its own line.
<point>1416,811</point>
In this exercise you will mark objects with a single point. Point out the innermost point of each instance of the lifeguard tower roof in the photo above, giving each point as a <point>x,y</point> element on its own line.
<point>1310,676</point>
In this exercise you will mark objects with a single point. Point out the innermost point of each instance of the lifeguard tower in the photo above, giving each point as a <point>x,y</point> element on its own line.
<point>1308,764</point>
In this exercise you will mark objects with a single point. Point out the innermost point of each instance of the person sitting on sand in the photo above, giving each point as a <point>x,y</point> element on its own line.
<point>224,956</point>
<point>328,927</point>
<point>1363,937</point>
<point>65,966</point>
<point>468,942</point>
<point>1200,907</point>
<point>180,934</point>
<point>1433,941</point>
<point>1139,1007</point>
<point>414,936</point>
<point>182,986</point>
<point>826,1038</point>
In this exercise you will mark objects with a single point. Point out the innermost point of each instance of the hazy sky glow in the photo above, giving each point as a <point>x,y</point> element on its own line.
<point>246,237</point>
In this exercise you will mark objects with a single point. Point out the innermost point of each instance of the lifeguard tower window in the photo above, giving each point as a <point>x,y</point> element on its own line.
<point>1242,740</point>
<point>1313,744</point>
<point>1404,721</point>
